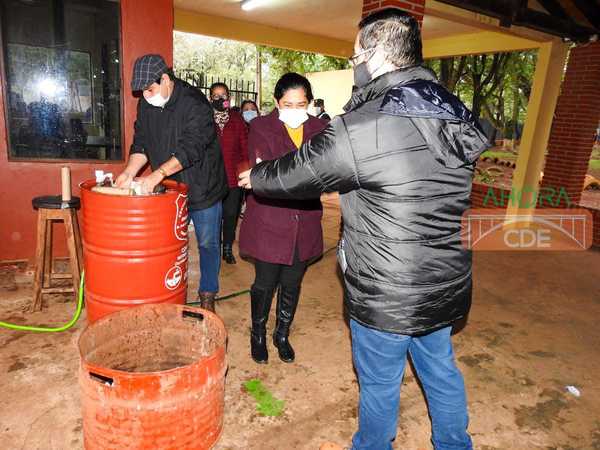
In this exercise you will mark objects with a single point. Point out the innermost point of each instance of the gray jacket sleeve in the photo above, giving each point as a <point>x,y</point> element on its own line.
<point>325,163</point>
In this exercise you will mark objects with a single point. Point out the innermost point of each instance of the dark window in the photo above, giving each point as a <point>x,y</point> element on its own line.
<point>63,78</point>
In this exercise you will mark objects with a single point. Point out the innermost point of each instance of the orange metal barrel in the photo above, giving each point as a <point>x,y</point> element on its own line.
<point>135,248</point>
<point>153,378</point>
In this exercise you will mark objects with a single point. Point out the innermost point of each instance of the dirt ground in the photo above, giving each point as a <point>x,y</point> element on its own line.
<point>532,332</point>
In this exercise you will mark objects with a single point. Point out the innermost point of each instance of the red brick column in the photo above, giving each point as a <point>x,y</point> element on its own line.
<point>575,121</point>
<point>415,7</point>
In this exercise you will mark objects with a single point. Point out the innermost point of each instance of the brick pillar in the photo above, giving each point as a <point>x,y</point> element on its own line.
<point>575,121</point>
<point>415,7</point>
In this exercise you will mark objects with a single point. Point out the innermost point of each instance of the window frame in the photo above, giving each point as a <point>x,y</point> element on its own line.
<point>5,108</point>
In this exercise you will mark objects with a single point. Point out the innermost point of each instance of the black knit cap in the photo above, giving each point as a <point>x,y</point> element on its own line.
<point>146,70</point>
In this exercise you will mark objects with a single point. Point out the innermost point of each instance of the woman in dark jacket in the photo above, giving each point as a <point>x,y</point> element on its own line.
<point>233,137</point>
<point>250,111</point>
<point>281,236</point>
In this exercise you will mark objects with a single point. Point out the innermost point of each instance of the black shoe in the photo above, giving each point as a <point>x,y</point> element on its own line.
<point>207,300</point>
<point>287,302</point>
<point>260,306</point>
<point>228,254</point>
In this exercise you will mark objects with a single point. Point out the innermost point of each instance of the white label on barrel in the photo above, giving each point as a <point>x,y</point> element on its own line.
<point>181,219</point>
<point>183,256</point>
<point>173,278</point>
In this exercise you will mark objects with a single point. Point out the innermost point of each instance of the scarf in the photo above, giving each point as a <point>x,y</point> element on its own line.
<point>221,119</point>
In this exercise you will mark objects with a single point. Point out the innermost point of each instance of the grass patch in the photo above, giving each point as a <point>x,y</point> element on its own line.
<point>266,403</point>
<point>499,155</point>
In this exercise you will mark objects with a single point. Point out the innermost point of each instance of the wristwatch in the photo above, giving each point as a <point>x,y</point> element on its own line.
<point>163,172</point>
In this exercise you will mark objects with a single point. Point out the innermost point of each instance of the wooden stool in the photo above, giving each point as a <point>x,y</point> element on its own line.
<point>52,208</point>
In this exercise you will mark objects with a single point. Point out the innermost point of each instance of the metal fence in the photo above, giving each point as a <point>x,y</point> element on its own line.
<point>240,90</point>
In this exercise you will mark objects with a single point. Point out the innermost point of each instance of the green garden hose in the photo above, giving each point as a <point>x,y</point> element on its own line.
<point>247,291</point>
<point>66,326</point>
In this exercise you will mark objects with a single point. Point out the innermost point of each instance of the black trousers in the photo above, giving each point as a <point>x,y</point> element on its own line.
<point>269,275</point>
<point>231,212</point>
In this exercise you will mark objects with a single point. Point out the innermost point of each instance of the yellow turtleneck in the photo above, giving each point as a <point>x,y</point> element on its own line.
<point>296,134</point>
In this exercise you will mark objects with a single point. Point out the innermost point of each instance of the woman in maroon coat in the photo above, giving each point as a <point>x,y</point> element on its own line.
<point>233,138</point>
<point>282,236</point>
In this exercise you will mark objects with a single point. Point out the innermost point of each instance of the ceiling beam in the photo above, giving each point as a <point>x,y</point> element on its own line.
<point>515,12</point>
<point>554,25</point>
<point>590,10</point>
<point>475,44</point>
<point>554,8</point>
<point>483,22</point>
<point>238,30</point>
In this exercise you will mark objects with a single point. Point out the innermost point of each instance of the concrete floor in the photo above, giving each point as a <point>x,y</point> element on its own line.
<point>532,331</point>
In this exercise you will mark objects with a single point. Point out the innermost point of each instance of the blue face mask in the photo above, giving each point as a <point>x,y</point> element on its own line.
<point>249,115</point>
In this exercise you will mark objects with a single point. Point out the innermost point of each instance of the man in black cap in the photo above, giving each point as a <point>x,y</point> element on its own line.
<point>175,133</point>
<point>320,109</point>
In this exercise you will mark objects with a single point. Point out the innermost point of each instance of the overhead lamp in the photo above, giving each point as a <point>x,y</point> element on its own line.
<point>247,5</point>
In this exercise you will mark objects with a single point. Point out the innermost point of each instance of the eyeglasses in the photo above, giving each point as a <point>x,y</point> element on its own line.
<point>354,58</point>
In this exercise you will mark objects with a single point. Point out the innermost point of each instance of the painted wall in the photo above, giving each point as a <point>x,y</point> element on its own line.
<point>335,87</point>
<point>146,27</point>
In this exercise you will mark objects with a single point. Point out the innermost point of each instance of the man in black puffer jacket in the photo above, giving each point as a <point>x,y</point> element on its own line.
<point>402,158</point>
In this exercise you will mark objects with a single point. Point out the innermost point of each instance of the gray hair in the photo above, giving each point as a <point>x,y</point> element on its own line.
<point>396,33</point>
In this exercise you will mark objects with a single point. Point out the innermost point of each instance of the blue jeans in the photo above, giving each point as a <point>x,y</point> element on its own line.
<point>379,359</point>
<point>207,225</point>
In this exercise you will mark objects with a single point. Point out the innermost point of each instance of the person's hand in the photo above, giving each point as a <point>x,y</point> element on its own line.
<point>244,179</point>
<point>150,182</point>
<point>124,180</point>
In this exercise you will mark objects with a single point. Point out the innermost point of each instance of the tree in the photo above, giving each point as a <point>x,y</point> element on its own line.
<point>496,87</point>
<point>226,59</point>
<point>486,77</point>
<point>451,71</point>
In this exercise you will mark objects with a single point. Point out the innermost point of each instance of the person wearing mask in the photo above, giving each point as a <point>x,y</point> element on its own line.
<point>320,110</point>
<point>233,137</point>
<point>249,110</point>
<point>402,158</point>
<point>282,237</point>
<point>175,133</point>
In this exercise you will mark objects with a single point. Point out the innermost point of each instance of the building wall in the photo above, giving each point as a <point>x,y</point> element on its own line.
<point>415,7</point>
<point>335,87</point>
<point>575,121</point>
<point>146,27</point>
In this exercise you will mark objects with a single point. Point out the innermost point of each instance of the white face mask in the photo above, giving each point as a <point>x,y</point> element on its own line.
<point>318,110</point>
<point>158,100</point>
<point>293,118</point>
<point>249,115</point>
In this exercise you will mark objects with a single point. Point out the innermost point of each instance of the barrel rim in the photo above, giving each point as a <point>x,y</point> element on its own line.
<point>171,185</point>
<point>218,354</point>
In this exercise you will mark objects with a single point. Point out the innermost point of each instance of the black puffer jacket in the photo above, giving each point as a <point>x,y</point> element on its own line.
<point>402,158</point>
<point>185,129</point>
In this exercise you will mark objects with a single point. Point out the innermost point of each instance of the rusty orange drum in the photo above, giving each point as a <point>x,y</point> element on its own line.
<point>135,248</point>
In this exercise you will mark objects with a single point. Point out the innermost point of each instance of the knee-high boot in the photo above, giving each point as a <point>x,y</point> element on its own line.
<point>287,302</point>
<point>260,306</point>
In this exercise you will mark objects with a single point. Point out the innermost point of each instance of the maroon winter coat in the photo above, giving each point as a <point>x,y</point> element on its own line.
<point>234,146</point>
<point>272,229</point>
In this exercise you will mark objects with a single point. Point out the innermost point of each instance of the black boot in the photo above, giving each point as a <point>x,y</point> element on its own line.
<point>207,300</point>
<point>260,306</point>
<point>228,254</point>
<point>287,301</point>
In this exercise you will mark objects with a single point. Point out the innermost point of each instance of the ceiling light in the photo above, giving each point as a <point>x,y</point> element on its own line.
<point>247,5</point>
